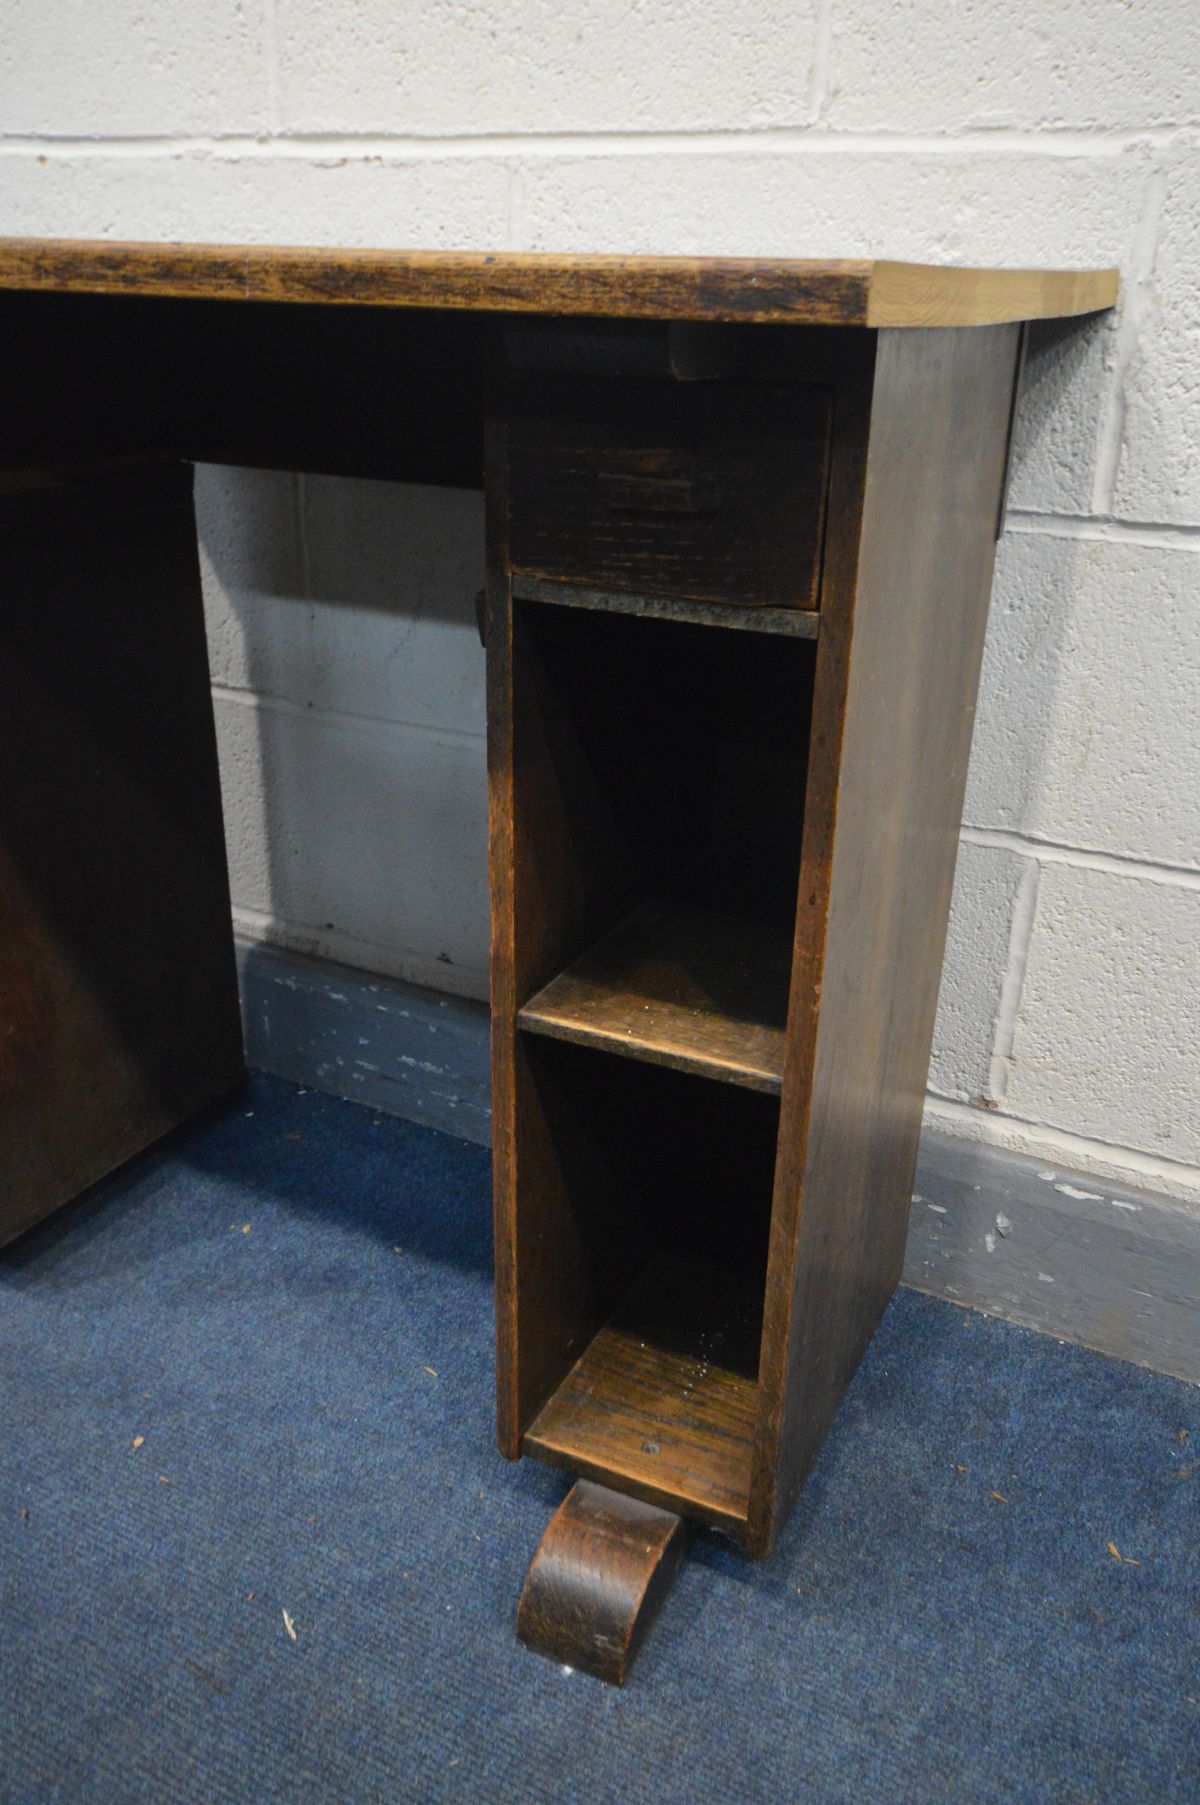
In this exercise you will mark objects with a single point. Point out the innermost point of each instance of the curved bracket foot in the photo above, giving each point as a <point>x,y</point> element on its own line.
<point>601,1573</point>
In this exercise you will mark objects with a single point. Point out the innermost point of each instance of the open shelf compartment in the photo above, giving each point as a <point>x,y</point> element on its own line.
<point>661,1402</point>
<point>658,771</point>
<point>666,1180</point>
<point>677,756</point>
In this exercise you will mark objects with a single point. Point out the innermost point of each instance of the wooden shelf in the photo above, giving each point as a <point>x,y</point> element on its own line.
<point>662,1402</point>
<point>682,985</point>
<point>792,623</point>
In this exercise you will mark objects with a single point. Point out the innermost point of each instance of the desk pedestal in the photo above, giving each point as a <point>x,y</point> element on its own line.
<point>118,996</point>
<point>734,642</point>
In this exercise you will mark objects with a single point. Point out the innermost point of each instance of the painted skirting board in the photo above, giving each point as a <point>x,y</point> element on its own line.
<point>1108,1267</point>
<point>378,1041</point>
<point>1111,1268</point>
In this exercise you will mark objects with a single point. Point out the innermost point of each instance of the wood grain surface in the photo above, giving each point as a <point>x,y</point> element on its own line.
<point>682,985</point>
<point>598,1580</point>
<point>700,491</point>
<point>662,1402</point>
<point>816,292</point>
<point>908,575</point>
<point>795,623</point>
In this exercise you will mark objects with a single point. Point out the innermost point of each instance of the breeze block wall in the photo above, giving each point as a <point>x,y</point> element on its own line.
<point>348,678</point>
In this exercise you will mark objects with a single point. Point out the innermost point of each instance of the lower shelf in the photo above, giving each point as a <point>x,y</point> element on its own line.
<point>660,1407</point>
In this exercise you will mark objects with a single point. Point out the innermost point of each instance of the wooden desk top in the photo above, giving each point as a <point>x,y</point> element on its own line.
<point>813,293</point>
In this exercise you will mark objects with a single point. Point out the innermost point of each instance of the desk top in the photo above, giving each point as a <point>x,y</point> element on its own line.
<point>806,293</point>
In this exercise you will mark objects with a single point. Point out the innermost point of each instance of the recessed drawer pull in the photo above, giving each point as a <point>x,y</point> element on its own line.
<point>642,494</point>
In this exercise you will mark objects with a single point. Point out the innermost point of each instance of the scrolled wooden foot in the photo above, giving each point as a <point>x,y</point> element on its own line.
<point>599,1578</point>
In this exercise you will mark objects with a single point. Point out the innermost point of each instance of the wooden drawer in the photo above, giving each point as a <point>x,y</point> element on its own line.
<point>705,491</point>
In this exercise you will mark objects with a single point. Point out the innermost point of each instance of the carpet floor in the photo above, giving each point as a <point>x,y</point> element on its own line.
<point>256,1544</point>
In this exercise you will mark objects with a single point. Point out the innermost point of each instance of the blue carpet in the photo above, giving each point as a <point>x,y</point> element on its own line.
<point>253,1374</point>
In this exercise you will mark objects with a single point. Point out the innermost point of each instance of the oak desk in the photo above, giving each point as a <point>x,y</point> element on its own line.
<point>741,524</point>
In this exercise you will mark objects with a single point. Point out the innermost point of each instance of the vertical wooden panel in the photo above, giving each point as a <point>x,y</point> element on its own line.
<point>911,550</point>
<point>118,996</point>
<point>503,998</point>
<point>552,888</point>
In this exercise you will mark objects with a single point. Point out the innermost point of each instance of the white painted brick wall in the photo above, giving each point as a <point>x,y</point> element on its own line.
<point>1091,697</point>
<point>986,888</point>
<point>952,65</point>
<point>348,678</point>
<point>114,68</point>
<point>1107,1031</point>
<point>542,66</point>
<point>1159,473</point>
<point>346,670</point>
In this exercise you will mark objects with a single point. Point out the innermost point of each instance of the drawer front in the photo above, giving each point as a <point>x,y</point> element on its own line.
<point>704,491</point>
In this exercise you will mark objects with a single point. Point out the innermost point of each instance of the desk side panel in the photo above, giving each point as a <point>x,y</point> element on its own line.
<point>898,670</point>
<point>118,995</point>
